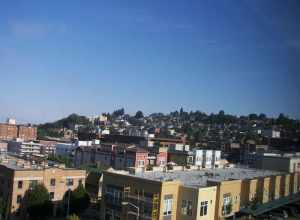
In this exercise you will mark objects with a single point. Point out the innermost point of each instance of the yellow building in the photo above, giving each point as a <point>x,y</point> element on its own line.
<point>210,194</point>
<point>17,176</point>
<point>228,197</point>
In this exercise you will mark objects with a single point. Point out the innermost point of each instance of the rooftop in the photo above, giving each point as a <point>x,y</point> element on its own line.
<point>18,163</point>
<point>199,178</point>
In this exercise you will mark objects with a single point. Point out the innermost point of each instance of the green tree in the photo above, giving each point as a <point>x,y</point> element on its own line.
<point>79,200</point>
<point>37,203</point>
<point>253,116</point>
<point>262,116</point>
<point>73,217</point>
<point>2,207</point>
<point>61,159</point>
<point>118,112</point>
<point>139,114</point>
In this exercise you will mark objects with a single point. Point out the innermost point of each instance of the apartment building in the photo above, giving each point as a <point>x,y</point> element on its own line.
<point>65,149</point>
<point>17,176</point>
<point>111,155</point>
<point>3,148</point>
<point>210,194</point>
<point>27,133</point>
<point>13,131</point>
<point>206,158</point>
<point>23,148</point>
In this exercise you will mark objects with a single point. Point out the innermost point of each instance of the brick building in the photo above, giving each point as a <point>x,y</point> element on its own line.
<point>12,131</point>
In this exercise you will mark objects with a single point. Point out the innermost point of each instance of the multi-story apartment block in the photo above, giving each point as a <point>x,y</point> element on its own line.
<point>17,176</point>
<point>116,156</point>
<point>27,132</point>
<point>206,158</point>
<point>8,131</point>
<point>3,148</point>
<point>23,148</point>
<point>13,131</point>
<point>65,149</point>
<point>214,194</point>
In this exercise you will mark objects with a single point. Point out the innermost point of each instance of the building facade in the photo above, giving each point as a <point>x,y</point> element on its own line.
<point>17,176</point>
<point>13,131</point>
<point>195,195</point>
<point>110,155</point>
<point>206,158</point>
<point>285,163</point>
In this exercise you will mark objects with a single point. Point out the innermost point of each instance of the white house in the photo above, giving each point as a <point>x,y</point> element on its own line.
<point>206,158</point>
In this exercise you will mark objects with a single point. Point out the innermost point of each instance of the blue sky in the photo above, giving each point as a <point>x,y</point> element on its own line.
<point>63,56</point>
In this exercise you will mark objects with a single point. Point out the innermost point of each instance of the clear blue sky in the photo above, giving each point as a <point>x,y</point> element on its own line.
<point>63,56</point>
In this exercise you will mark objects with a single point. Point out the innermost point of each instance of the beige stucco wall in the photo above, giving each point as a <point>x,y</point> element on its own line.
<point>207,194</point>
<point>170,188</point>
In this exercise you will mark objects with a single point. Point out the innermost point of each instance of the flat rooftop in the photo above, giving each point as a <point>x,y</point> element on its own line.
<point>199,178</point>
<point>17,163</point>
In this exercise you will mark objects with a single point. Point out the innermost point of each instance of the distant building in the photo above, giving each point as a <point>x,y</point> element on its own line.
<point>65,149</point>
<point>278,162</point>
<point>22,148</point>
<point>112,155</point>
<point>3,148</point>
<point>11,121</point>
<point>27,133</point>
<point>17,176</point>
<point>206,158</point>
<point>271,133</point>
<point>8,132</point>
<point>13,131</point>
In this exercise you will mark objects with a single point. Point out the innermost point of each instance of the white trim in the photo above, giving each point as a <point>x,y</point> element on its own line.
<point>74,177</point>
<point>28,178</point>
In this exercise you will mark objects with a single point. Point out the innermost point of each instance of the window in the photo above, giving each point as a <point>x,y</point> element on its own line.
<point>70,182</point>
<point>32,183</point>
<point>141,163</point>
<point>186,207</point>
<point>113,195</point>
<point>168,201</point>
<point>51,195</point>
<point>20,184</point>
<point>52,182</point>
<point>203,208</point>
<point>19,199</point>
<point>227,204</point>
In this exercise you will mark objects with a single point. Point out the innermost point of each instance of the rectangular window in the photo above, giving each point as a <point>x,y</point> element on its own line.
<point>186,207</point>
<point>203,208</point>
<point>51,194</point>
<point>168,201</point>
<point>227,204</point>
<point>20,184</point>
<point>52,182</point>
<point>141,163</point>
<point>32,184</point>
<point>113,195</point>
<point>19,199</point>
<point>70,182</point>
